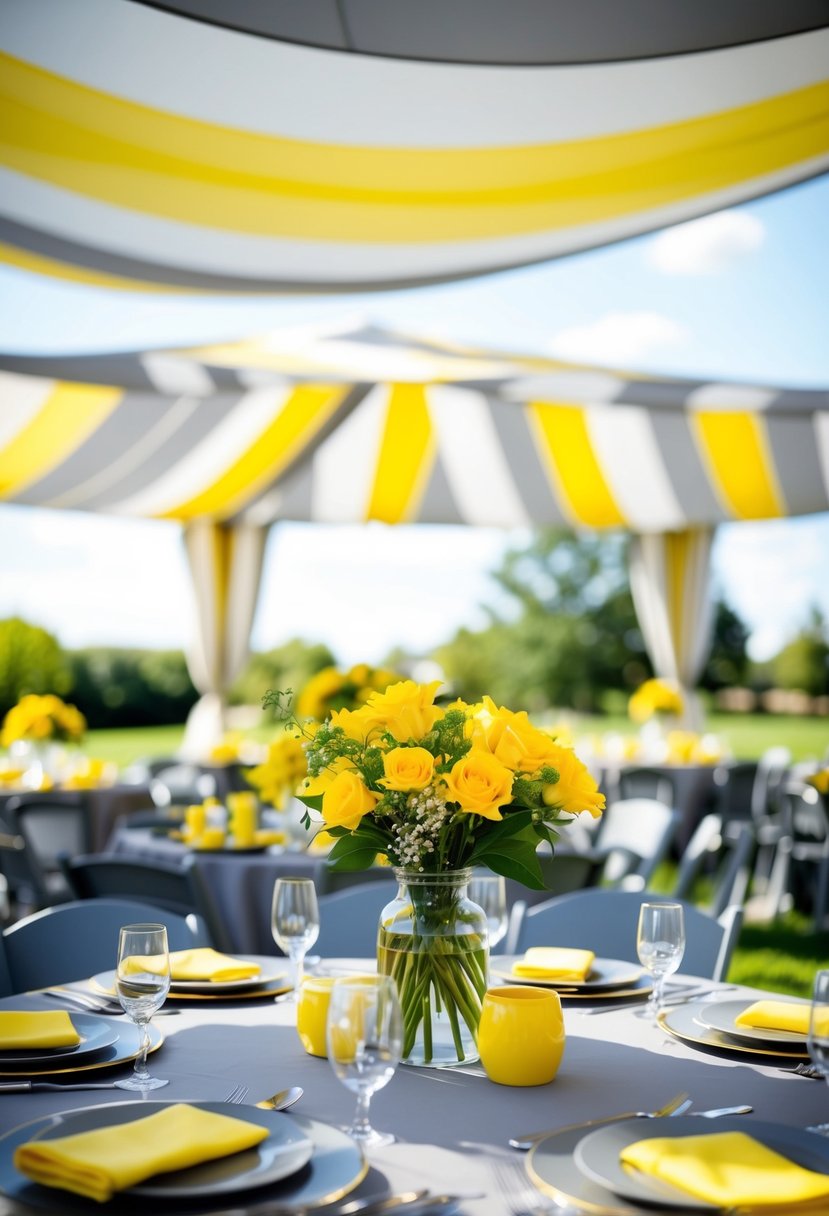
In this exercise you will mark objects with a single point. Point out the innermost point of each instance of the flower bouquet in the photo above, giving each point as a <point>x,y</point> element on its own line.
<point>331,689</point>
<point>435,791</point>
<point>42,719</point>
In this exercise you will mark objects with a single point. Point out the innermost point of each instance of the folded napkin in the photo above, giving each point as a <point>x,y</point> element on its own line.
<point>46,1028</point>
<point>96,1164</point>
<point>554,963</point>
<point>782,1015</point>
<point>728,1168</point>
<point>208,964</point>
<point>267,836</point>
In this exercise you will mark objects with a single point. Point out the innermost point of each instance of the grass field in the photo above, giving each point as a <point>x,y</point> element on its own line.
<point>782,956</point>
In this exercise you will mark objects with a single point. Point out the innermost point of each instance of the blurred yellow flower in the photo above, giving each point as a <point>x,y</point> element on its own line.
<point>655,697</point>
<point>39,718</point>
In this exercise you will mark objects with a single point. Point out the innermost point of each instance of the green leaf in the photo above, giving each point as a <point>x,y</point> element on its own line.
<point>351,854</point>
<point>510,826</point>
<point>314,801</point>
<point>514,859</point>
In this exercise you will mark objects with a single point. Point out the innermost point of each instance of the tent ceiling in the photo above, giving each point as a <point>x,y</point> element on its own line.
<point>525,32</point>
<point>143,148</point>
<point>367,424</point>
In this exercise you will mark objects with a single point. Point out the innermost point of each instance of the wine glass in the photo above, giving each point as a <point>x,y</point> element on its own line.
<point>819,1034</point>
<point>660,944</point>
<point>295,922</point>
<point>489,892</point>
<point>142,981</point>
<point>364,1036</point>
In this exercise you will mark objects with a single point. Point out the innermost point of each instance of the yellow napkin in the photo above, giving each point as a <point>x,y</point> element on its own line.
<point>208,964</point>
<point>554,963</point>
<point>47,1028</point>
<point>268,837</point>
<point>728,1168</point>
<point>96,1164</point>
<point>782,1015</point>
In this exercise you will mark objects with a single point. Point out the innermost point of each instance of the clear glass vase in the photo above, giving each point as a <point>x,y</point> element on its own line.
<point>432,940</point>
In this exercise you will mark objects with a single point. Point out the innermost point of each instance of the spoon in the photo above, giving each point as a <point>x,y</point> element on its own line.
<point>283,1099</point>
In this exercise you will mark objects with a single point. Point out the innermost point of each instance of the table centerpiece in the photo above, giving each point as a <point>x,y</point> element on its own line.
<point>436,790</point>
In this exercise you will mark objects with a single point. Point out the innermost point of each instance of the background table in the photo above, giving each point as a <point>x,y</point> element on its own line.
<point>452,1124</point>
<point>242,884</point>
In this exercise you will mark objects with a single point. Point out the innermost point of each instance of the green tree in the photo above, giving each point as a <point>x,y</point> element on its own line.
<point>114,687</point>
<point>288,666</point>
<point>31,661</point>
<point>804,663</point>
<point>727,663</point>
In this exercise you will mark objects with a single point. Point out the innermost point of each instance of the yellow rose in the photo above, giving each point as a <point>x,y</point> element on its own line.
<point>480,784</point>
<point>320,783</point>
<point>407,768</point>
<point>314,698</point>
<point>358,724</point>
<point>346,800</point>
<point>406,709</point>
<point>512,738</point>
<point>575,791</point>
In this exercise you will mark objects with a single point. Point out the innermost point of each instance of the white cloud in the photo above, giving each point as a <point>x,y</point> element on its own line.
<point>708,245</point>
<point>618,337</point>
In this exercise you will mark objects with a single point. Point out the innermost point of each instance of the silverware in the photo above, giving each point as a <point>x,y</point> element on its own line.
<point>27,1087</point>
<point>81,1002</point>
<point>721,1110</point>
<point>678,1105</point>
<point>805,1070</point>
<point>690,994</point>
<point>413,1203</point>
<point>278,1101</point>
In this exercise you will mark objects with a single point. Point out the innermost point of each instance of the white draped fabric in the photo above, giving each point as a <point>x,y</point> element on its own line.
<point>226,566</point>
<point>669,576</point>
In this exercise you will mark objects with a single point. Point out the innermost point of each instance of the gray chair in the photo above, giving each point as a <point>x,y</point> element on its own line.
<point>349,920</point>
<point>76,940</point>
<point>641,826</point>
<point>179,887</point>
<point>49,828</point>
<point>606,921</point>
<point>639,781</point>
<point>800,873</point>
<point>721,854</point>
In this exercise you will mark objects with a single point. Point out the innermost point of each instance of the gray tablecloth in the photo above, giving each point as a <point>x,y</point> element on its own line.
<point>242,884</point>
<point>451,1125</point>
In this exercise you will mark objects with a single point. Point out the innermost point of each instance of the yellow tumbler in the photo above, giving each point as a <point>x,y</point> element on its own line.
<point>312,1013</point>
<point>521,1035</point>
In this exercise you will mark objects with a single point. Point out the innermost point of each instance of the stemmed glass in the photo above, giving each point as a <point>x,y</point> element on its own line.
<point>295,922</point>
<point>819,1035</point>
<point>142,981</point>
<point>660,944</point>
<point>489,892</point>
<point>365,1035</point>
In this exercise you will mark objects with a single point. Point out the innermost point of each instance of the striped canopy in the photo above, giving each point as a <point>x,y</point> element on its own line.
<point>375,143</point>
<point>366,424</point>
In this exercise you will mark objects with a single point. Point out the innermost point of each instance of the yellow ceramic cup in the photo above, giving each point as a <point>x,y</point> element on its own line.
<point>521,1035</point>
<point>242,818</point>
<point>312,1013</point>
<point>195,818</point>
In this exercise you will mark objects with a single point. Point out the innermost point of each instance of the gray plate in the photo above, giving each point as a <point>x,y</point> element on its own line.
<point>685,1022</point>
<point>605,975</point>
<point>284,1152</point>
<point>336,1166</point>
<point>96,1034</point>
<point>597,1156</point>
<point>271,974</point>
<point>552,1167</point>
<point>720,1015</point>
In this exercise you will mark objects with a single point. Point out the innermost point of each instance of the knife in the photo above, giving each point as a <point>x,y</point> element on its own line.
<point>28,1087</point>
<point>410,1203</point>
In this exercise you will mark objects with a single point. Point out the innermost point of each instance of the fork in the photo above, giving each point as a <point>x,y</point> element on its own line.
<point>806,1070</point>
<point>519,1194</point>
<point>677,1106</point>
<point>237,1094</point>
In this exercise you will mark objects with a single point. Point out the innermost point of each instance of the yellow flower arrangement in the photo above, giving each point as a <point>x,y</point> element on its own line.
<point>655,697</point>
<point>41,719</point>
<point>441,788</point>
<point>281,772</point>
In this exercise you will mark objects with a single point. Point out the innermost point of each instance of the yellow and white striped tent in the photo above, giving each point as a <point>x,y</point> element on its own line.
<point>364,424</point>
<point>375,143</point>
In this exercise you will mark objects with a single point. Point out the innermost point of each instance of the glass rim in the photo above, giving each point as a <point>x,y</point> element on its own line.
<point>143,927</point>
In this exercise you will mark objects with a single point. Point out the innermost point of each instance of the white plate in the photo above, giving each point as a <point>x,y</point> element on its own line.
<point>597,1155</point>
<point>722,1015</point>
<point>605,974</point>
<point>285,1151</point>
<point>96,1034</point>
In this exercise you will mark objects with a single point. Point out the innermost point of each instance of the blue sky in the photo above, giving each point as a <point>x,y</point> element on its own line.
<point>739,295</point>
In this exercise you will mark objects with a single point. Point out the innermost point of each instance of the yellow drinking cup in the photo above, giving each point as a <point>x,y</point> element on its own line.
<point>312,1013</point>
<point>242,818</point>
<point>521,1035</point>
<point>195,819</point>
